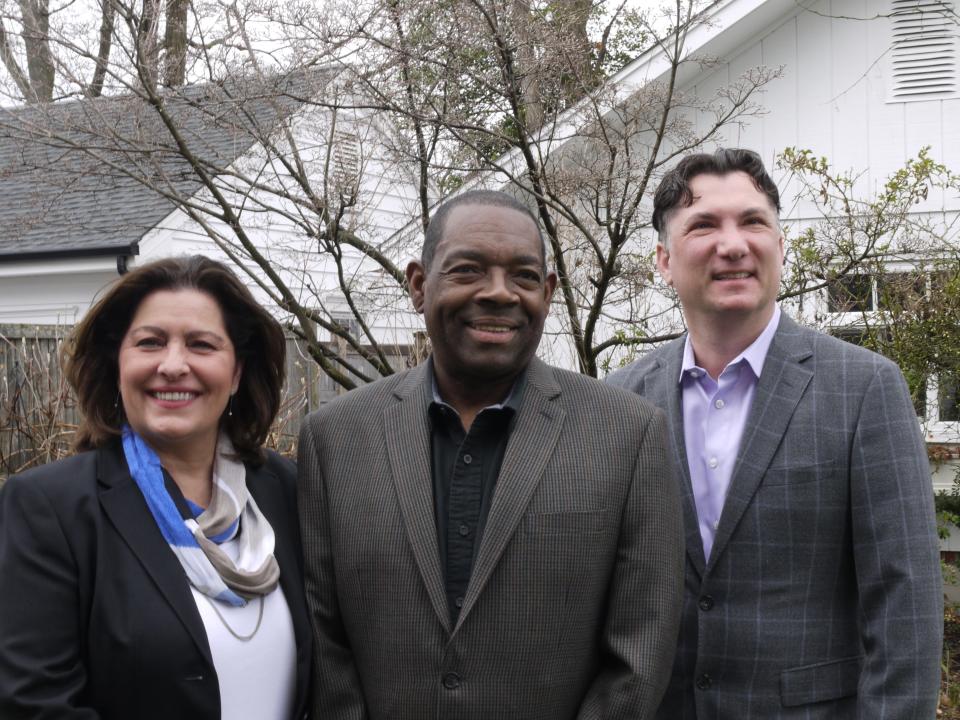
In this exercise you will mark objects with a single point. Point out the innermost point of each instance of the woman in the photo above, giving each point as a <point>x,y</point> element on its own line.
<point>157,574</point>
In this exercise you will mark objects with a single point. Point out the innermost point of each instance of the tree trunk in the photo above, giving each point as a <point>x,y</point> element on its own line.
<point>573,48</point>
<point>108,14</point>
<point>175,43</point>
<point>36,40</point>
<point>531,84</point>
<point>147,47</point>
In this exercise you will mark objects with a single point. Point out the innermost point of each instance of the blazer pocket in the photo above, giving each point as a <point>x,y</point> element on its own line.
<point>820,682</point>
<point>576,522</point>
<point>798,474</point>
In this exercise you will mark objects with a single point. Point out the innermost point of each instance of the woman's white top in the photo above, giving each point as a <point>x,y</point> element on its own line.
<point>257,677</point>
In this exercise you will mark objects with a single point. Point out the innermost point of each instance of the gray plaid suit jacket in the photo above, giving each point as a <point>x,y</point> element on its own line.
<point>822,597</point>
<point>573,605</point>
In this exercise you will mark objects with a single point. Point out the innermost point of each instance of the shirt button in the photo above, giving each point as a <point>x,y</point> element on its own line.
<point>451,681</point>
<point>463,530</point>
<point>718,404</point>
<point>468,458</point>
<point>713,462</point>
<point>458,601</point>
<point>695,373</point>
<point>706,603</point>
<point>704,682</point>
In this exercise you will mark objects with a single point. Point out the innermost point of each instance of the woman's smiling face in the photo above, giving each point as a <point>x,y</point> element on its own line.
<point>178,369</point>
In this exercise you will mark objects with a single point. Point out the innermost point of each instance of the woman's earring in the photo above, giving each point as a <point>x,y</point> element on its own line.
<point>116,401</point>
<point>230,407</point>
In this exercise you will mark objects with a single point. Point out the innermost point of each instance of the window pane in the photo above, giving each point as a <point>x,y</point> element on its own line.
<point>854,336</point>
<point>918,393</point>
<point>900,291</point>
<point>949,400</point>
<point>851,293</point>
<point>941,280</point>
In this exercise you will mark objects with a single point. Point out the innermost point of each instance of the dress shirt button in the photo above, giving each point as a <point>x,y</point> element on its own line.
<point>467,458</point>
<point>464,530</point>
<point>451,681</point>
<point>713,462</point>
<point>706,603</point>
<point>458,601</point>
<point>718,404</point>
<point>704,682</point>
<point>695,373</point>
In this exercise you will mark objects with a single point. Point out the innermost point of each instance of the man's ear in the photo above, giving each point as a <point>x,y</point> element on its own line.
<point>416,278</point>
<point>549,285</point>
<point>663,264</point>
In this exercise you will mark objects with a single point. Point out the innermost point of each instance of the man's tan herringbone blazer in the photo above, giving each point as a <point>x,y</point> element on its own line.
<point>574,599</point>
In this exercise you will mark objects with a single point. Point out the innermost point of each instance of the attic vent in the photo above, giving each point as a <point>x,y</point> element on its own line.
<point>345,161</point>
<point>924,57</point>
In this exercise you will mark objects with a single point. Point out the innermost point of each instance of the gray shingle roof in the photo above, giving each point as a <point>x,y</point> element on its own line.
<point>72,174</point>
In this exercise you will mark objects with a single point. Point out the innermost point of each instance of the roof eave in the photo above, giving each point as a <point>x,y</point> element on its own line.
<point>72,253</point>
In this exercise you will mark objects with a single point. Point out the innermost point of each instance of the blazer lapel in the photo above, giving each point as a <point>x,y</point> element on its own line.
<point>123,503</point>
<point>407,429</point>
<point>781,385</point>
<point>529,449</point>
<point>662,387</point>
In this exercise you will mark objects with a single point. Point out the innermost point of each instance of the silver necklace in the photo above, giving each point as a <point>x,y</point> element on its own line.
<point>241,638</point>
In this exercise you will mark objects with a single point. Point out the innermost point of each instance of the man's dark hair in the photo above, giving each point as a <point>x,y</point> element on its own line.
<point>484,198</point>
<point>674,190</point>
<point>91,355</point>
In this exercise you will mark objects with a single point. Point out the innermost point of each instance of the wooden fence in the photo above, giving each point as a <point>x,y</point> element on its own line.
<point>38,413</point>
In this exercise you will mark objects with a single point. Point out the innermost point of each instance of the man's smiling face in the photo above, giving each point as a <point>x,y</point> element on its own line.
<point>485,296</point>
<point>725,251</point>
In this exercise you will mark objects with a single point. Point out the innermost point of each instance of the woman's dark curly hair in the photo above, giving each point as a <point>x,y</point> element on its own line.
<point>90,356</point>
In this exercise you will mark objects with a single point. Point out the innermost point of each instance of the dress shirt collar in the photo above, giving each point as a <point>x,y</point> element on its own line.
<point>511,402</point>
<point>754,355</point>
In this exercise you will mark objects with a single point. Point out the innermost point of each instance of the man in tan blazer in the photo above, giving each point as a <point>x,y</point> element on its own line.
<point>487,537</point>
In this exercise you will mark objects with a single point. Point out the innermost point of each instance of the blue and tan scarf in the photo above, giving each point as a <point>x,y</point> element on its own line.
<point>195,540</point>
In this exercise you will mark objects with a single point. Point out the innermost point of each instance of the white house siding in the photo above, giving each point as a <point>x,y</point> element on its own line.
<point>832,98</point>
<point>53,292</point>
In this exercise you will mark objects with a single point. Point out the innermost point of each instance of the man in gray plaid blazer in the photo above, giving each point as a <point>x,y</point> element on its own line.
<point>812,574</point>
<point>487,537</point>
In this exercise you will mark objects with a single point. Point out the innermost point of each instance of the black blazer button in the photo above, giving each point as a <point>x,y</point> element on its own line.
<point>706,603</point>
<point>451,681</point>
<point>704,682</point>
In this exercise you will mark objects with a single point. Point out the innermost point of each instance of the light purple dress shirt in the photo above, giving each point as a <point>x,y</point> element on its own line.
<point>714,415</point>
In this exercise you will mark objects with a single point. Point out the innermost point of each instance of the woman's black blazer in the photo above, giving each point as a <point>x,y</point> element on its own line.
<point>96,615</point>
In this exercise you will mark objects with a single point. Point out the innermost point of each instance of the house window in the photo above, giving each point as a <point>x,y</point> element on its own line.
<point>860,293</point>
<point>865,309</point>
<point>851,293</point>
<point>901,290</point>
<point>349,323</point>
<point>948,398</point>
<point>924,52</point>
